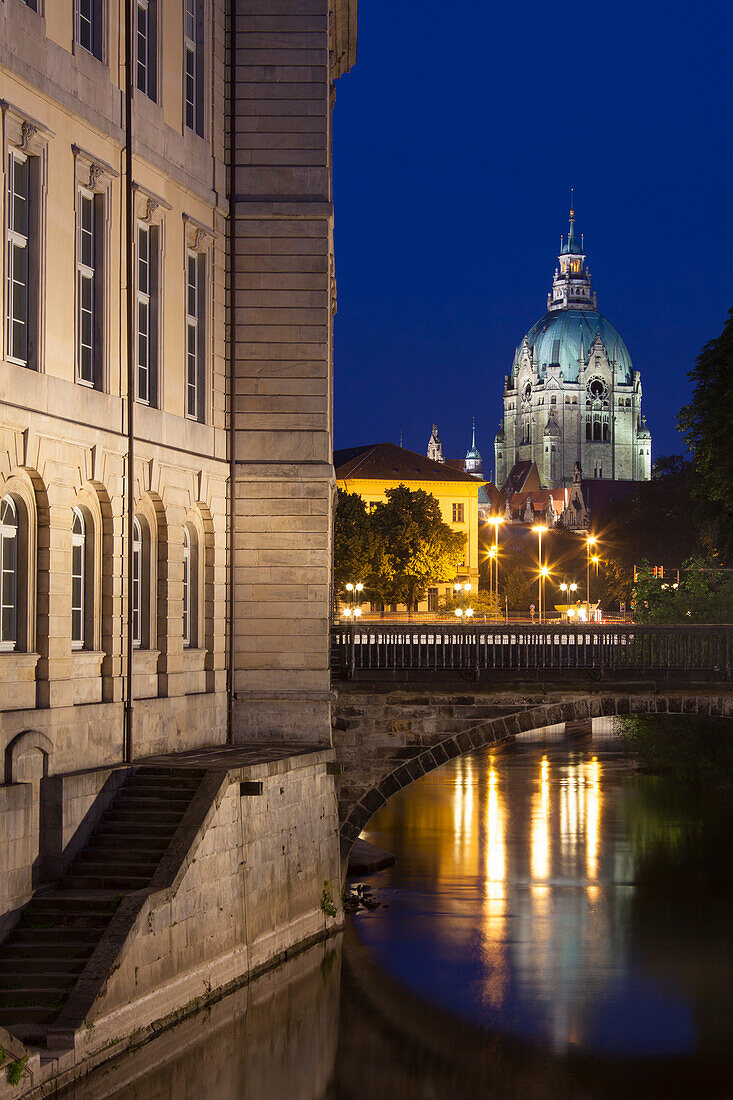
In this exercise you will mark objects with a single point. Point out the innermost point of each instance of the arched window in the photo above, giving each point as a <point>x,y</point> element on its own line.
<point>78,579</point>
<point>606,435</point>
<point>8,574</point>
<point>190,586</point>
<point>186,587</point>
<point>587,430</point>
<point>596,430</point>
<point>137,571</point>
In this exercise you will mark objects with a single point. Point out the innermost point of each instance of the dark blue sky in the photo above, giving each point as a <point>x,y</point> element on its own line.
<point>457,137</point>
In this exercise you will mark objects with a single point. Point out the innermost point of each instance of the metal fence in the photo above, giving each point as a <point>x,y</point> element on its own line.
<point>483,647</point>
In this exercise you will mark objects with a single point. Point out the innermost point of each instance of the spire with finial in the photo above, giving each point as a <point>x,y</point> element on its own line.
<point>571,288</point>
<point>473,463</point>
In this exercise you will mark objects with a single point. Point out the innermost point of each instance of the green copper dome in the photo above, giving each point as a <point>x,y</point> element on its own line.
<point>556,338</point>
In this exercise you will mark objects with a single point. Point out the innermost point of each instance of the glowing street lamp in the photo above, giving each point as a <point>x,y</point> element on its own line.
<point>496,522</point>
<point>568,589</point>
<point>591,540</point>
<point>540,530</point>
<point>464,589</point>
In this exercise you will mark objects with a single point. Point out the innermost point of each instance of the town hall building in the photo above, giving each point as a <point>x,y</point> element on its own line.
<point>572,401</point>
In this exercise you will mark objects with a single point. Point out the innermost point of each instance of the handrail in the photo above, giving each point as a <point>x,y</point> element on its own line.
<point>599,648</point>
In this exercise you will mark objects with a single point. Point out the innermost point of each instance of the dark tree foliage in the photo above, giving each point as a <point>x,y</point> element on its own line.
<point>420,547</point>
<point>397,549</point>
<point>706,423</point>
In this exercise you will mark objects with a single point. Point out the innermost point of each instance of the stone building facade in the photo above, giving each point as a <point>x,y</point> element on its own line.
<point>573,396</point>
<point>165,377</point>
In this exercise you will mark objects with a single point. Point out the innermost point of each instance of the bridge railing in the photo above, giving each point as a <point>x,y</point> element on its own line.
<point>560,648</point>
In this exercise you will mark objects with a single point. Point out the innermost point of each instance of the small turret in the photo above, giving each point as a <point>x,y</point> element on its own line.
<point>435,447</point>
<point>473,463</point>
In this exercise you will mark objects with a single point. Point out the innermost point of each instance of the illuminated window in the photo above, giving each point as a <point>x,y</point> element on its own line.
<point>195,335</point>
<point>147,313</point>
<point>78,579</point>
<point>88,290</point>
<point>8,574</point>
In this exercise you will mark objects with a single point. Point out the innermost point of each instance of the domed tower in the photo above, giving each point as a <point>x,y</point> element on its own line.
<point>573,395</point>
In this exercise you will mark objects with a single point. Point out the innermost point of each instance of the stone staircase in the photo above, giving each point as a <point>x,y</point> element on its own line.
<point>43,957</point>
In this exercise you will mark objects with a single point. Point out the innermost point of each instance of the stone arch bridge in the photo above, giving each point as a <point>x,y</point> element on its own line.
<point>387,736</point>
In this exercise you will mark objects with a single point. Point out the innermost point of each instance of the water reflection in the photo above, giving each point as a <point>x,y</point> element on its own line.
<point>513,901</point>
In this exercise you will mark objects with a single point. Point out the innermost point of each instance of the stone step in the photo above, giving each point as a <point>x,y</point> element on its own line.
<point>40,952</point>
<point>143,815</point>
<point>89,863</point>
<point>63,904</point>
<point>56,935</point>
<point>137,827</point>
<point>151,800</point>
<point>49,997</point>
<point>30,964</point>
<point>107,853</point>
<point>111,842</point>
<point>105,881</point>
<point>162,783</point>
<point>20,978</point>
<point>20,1020</point>
<point>50,920</point>
<point>176,771</point>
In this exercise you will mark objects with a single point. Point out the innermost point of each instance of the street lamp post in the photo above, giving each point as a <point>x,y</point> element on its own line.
<point>590,541</point>
<point>493,564</point>
<point>540,530</point>
<point>351,614</point>
<point>496,522</point>
<point>567,589</point>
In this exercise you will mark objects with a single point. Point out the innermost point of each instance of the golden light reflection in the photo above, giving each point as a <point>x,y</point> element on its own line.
<point>495,840</point>
<point>593,815</point>
<point>541,824</point>
<point>465,823</point>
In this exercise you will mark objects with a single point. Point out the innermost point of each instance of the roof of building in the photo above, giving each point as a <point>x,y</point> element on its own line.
<point>523,475</point>
<point>388,462</point>
<point>556,340</point>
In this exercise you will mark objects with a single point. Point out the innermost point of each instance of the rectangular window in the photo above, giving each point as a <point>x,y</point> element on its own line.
<point>89,26</point>
<point>86,279</point>
<point>147,313</point>
<point>195,336</point>
<point>145,44</point>
<point>458,513</point>
<point>18,250</point>
<point>432,599</point>
<point>193,66</point>
<point>137,569</point>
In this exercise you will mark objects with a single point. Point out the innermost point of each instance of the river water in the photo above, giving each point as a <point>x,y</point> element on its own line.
<point>556,924</point>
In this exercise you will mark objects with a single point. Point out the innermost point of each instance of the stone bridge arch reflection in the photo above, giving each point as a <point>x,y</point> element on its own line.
<point>385,740</point>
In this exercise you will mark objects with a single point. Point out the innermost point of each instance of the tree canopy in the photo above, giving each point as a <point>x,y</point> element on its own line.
<point>706,423</point>
<point>398,549</point>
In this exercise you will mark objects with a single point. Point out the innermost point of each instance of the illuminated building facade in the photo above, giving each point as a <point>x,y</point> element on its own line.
<point>573,397</point>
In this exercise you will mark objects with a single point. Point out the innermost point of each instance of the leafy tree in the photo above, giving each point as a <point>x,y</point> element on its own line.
<point>519,588</point>
<point>359,553</point>
<point>421,548</point>
<point>704,595</point>
<point>706,423</point>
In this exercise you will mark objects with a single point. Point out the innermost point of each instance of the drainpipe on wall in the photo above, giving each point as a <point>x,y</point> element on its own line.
<point>127,751</point>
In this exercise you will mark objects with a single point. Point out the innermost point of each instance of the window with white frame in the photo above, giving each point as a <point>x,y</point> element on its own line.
<point>186,587</point>
<point>88,29</point>
<point>18,257</point>
<point>145,47</point>
<point>137,577</point>
<point>190,586</point>
<point>8,574</point>
<point>193,66</point>
<point>78,579</point>
<point>147,313</point>
<point>195,335</point>
<point>87,290</point>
